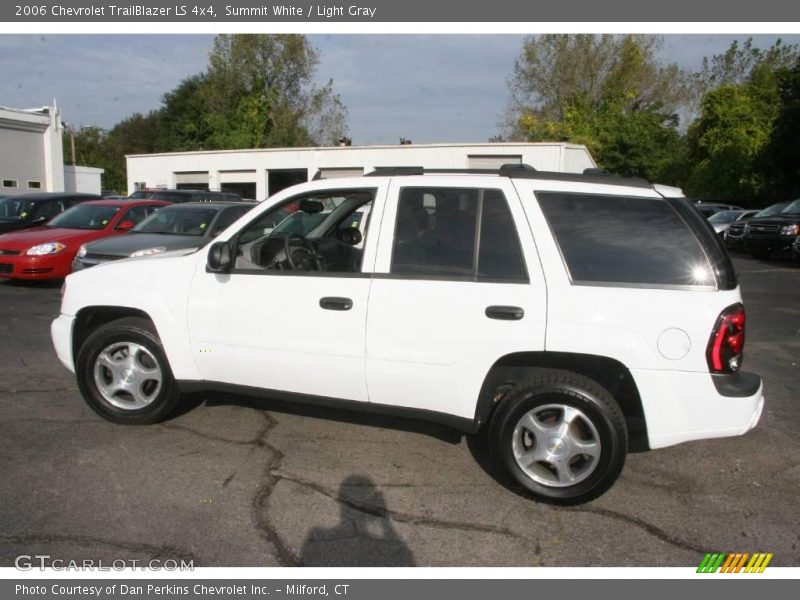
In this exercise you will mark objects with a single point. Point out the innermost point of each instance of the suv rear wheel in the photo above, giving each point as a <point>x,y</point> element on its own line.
<point>123,373</point>
<point>560,435</point>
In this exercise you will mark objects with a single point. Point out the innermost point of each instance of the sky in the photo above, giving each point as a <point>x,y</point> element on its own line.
<point>428,88</point>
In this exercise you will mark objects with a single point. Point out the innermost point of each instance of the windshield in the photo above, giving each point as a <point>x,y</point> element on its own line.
<point>15,208</point>
<point>771,210</point>
<point>178,220</point>
<point>794,207</point>
<point>726,216</point>
<point>140,195</point>
<point>85,216</point>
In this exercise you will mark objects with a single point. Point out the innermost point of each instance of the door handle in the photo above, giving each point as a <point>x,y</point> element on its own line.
<point>505,313</point>
<point>335,303</point>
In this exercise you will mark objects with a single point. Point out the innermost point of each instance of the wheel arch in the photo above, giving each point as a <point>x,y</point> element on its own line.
<point>608,372</point>
<point>90,318</point>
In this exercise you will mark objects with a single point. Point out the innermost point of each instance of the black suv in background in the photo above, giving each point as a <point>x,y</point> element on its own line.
<point>773,235</point>
<point>181,196</point>
<point>734,235</point>
<point>22,211</point>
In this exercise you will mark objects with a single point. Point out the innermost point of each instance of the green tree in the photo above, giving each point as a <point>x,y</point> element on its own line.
<point>608,92</point>
<point>780,159</point>
<point>737,118</point>
<point>737,64</point>
<point>257,92</point>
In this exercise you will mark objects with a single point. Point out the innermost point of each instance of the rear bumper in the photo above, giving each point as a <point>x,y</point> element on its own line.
<point>681,406</point>
<point>61,333</point>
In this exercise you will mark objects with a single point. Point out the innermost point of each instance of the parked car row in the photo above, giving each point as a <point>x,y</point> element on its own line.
<point>771,232</point>
<point>52,234</point>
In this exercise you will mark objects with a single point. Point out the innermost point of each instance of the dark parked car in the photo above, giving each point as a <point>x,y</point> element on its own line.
<point>181,196</point>
<point>734,235</point>
<point>773,235</point>
<point>724,219</point>
<point>181,227</point>
<point>22,211</point>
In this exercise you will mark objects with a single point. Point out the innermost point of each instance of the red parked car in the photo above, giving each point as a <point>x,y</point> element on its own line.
<point>46,252</point>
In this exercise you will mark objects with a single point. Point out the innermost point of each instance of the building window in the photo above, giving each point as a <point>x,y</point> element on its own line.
<point>9,183</point>
<point>34,185</point>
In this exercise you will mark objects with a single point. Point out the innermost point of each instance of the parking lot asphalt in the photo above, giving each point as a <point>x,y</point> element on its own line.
<point>238,482</point>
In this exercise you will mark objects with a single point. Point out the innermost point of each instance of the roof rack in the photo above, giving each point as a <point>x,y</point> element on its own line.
<point>519,171</point>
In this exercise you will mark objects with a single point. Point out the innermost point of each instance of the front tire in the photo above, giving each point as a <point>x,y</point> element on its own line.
<point>560,435</point>
<point>123,373</point>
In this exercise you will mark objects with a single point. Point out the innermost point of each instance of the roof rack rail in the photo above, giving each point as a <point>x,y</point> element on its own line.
<point>519,171</point>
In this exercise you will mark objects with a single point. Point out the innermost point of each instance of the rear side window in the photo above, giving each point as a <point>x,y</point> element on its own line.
<point>461,233</point>
<point>625,240</point>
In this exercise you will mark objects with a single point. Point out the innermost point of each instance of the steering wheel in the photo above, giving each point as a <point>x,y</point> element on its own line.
<point>309,259</point>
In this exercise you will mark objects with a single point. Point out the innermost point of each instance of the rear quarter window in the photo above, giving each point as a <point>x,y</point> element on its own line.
<point>624,240</point>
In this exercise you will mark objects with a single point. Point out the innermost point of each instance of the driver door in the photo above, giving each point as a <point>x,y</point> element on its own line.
<point>291,331</point>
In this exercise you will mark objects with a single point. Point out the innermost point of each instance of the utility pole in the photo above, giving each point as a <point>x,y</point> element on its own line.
<point>71,130</point>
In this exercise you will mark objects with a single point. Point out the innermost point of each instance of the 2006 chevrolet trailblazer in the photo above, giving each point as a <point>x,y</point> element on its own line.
<point>575,316</point>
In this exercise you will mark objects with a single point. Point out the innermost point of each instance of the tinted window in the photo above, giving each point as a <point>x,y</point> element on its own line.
<point>435,235</point>
<point>435,232</point>
<point>617,239</point>
<point>500,255</point>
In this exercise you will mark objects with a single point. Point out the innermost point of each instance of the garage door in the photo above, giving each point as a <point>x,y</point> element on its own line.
<point>191,177</point>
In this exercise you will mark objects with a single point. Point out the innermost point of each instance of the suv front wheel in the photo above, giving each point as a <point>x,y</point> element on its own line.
<point>123,373</point>
<point>560,435</point>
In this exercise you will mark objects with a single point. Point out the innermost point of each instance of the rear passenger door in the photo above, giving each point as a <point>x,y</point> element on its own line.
<point>457,285</point>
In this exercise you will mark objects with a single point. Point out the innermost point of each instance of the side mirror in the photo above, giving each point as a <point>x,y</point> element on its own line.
<point>220,258</point>
<point>126,226</point>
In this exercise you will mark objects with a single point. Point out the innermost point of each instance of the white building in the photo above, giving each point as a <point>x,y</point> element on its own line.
<point>32,158</point>
<point>260,173</point>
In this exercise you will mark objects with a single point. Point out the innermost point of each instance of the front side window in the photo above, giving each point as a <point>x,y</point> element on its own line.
<point>624,240</point>
<point>462,233</point>
<point>321,231</point>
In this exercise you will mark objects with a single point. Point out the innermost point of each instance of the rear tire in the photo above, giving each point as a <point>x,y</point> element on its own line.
<point>123,373</point>
<point>560,435</point>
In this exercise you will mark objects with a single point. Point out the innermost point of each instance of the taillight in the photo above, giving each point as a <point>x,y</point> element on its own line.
<point>726,345</point>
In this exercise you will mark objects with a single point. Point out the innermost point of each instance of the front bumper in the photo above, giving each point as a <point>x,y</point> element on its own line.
<point>680,406</point>
<point>61,333</point>
<point>34,267</point>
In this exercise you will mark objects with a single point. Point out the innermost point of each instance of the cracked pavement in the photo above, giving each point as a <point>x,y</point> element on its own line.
<point>232,481</point>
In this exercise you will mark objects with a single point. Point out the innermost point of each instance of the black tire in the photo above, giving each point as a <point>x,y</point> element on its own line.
<point>541,388</point>
<point>133,330</point>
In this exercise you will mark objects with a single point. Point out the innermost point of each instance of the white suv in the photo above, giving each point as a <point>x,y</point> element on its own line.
<point>575,316</point>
